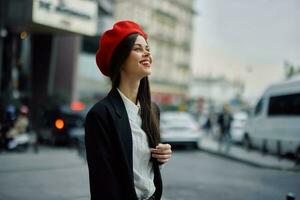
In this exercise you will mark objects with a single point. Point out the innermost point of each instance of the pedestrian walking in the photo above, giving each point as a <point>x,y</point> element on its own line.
<point>122,130</point>
<point>224,121</point>
<point>208,125</point>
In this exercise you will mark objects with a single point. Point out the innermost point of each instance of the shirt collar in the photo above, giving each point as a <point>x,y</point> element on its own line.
<point>131,107</point>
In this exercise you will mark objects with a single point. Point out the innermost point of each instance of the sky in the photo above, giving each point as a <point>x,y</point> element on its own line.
<point>247,40</point>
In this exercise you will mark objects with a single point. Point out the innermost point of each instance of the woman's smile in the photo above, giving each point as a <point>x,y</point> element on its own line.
<point>145,62</point>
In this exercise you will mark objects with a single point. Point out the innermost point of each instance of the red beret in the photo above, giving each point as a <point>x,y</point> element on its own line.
<point>110,40</point>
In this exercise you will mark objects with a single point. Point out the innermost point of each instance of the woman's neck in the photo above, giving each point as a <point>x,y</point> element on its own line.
<point>130,89</point>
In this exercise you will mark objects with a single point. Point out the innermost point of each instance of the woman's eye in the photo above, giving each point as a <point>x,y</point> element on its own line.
<point>140,49</point>
<point>137,49</point>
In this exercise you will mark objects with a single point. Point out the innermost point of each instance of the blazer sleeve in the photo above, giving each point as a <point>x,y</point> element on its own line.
<point>103,183</point>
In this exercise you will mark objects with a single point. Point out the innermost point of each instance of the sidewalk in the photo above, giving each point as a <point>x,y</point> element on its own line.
<point>47,159</point>
<point>53,173</point>
<point>253,157</point>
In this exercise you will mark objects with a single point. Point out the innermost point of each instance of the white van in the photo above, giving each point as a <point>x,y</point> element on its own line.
<point>274,125</point>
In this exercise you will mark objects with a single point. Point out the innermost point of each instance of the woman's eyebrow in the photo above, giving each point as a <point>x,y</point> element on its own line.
<point>147,46</point>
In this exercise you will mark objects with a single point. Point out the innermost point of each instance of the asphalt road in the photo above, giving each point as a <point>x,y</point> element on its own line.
<point>195,175</point>
<point>191,175</point>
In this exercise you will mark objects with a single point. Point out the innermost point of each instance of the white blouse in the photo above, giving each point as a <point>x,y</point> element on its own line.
<point>142,166</point>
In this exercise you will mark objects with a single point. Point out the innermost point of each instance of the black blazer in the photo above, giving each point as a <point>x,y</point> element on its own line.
<point>108,143</point>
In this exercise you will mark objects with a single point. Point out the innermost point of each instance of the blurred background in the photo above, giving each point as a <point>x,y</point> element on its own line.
<point>226,74</point>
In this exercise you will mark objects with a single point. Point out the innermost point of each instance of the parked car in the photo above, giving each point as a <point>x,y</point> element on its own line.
<point>275,123</point>
<point>180,128</point>
<point>63,125</point>
<point>237,126</point>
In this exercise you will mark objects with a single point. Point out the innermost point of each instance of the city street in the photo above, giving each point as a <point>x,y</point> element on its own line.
<point>198,175</point>
<point>118,76</point>
<point>190,175</point>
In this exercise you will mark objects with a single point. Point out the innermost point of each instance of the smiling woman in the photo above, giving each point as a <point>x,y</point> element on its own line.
<point>122,130</point>
<point>139,60</point>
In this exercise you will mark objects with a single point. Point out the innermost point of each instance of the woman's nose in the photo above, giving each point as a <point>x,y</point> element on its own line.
<point>146,53</point>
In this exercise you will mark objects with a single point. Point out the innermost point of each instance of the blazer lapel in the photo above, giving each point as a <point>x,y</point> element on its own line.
<point>123,129</point>
<point>122,125</point>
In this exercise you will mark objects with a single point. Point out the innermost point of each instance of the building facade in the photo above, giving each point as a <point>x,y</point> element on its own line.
<point>210,94</point>
<point>91,84</point>
<point>40,41</point>
<point>169,25</point>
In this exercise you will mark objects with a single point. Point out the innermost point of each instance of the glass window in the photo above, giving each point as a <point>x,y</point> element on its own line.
<point>258,107</point>
<point>288,105</point>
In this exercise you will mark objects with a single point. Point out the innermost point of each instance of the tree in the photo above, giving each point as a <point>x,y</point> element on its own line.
<point>290,69</point>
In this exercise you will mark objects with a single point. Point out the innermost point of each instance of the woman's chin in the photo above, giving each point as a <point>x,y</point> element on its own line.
<point>146,71</point>
<point>145,74</point>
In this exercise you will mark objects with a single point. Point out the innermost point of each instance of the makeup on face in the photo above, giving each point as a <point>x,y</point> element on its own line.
<point>146,57</point>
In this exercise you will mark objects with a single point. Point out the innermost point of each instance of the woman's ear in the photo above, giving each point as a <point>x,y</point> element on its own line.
<point>122,67</point>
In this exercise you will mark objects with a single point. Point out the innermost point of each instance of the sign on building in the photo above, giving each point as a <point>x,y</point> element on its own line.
<point>79,16</point>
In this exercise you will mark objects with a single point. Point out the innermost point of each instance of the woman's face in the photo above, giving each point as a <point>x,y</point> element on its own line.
<point>138,63</point>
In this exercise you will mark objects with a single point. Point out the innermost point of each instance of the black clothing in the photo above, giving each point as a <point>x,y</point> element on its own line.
<point>108,142</point>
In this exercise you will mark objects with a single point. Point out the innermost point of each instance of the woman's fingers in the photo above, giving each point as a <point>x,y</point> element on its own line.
<point>163,146</point>
<point>162,152</point>
<point>163,160</point>
<point>158,156</point>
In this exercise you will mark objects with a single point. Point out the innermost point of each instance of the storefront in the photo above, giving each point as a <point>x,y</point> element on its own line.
<point>39,44</point>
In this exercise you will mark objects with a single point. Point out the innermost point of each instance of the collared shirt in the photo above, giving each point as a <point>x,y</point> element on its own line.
<point>142,166</point>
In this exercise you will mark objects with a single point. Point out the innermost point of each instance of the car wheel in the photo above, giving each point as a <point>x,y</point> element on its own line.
<point>195,145</point>
<point>247,142</point>
<point>22,148</point>
<point>53,141</point>
<point>297,156</point>
<point>264,148</point>
<point>279,149</point>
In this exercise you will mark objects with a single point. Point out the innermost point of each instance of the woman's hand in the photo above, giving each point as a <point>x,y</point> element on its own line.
<point>162,152</point>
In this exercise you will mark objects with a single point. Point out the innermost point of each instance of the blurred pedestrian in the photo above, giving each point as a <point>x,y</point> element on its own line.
<point>21,124</point>
<point>8,122</point>
<point>19,127</point>
<point>208,125</point>
<point>224,120</point>
<point>122,130</point>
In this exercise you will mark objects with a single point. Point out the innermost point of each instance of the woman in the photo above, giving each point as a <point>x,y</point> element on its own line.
<point>122,130</point>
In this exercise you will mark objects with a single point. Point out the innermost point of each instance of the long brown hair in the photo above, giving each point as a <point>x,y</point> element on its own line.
<point>149,112</point>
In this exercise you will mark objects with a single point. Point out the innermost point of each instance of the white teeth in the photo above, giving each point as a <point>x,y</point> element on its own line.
<point>145,62</point>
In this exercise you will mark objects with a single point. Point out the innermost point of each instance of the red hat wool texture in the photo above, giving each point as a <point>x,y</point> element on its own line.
<point>111,39</point>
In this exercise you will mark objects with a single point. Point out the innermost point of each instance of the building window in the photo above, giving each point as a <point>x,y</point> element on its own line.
<point>284,105</point>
